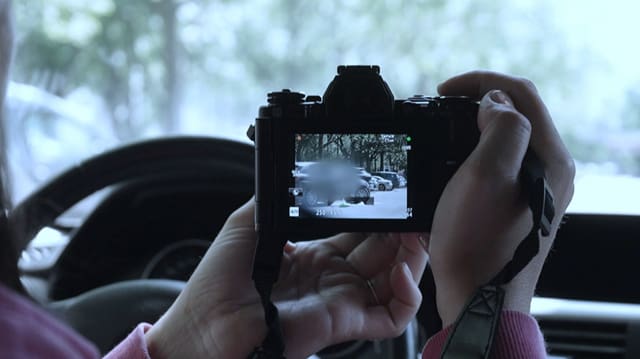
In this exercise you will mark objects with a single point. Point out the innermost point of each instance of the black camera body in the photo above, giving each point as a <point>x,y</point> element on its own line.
<point>319,159</point>
<point>313,155</point>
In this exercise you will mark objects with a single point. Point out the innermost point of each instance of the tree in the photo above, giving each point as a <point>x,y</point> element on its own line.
<point>167,66</point>
<point>374,152</point>
<point>631,110</point>
<point>125,51</point>
<point>141,57</point>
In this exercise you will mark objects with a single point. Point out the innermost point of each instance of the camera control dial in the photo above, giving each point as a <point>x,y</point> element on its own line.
<point>285,97</point>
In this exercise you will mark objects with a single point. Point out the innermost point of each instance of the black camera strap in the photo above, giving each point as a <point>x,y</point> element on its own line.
<point>273,345</point>
<point>474,330</point>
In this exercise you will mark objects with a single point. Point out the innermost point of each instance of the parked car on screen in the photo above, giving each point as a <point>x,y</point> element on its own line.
<point>321,183</point>
<point>394,177</point>
<point>362,173</point>
<point>380,184</point>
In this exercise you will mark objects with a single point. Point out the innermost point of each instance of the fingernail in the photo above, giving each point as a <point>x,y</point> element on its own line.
<point>423,241</point>
<point>289,247</point>
<point>500,97</point>
<point>406,270</point>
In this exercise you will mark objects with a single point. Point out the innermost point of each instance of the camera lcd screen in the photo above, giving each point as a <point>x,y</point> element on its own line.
<point>350,176</point>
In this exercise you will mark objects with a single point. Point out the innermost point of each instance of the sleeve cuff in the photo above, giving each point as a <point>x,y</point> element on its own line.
<point>518,337</point>
<point>134,346</point>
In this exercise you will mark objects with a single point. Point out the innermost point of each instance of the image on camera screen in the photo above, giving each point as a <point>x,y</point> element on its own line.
<point>350,176</point>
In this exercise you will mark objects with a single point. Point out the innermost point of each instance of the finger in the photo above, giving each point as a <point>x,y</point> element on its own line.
<point>424,239</point>
<point>411,252</point>
<point>233,247</point>
<point>289,247</point>
<point>504,138</point>
<point>392,319</point>
<point>525,96</point>
<point>344,243</point>
<point>243,217</point>
<point>239,226</point>
<point>374,255</point>
<point>546,140</point>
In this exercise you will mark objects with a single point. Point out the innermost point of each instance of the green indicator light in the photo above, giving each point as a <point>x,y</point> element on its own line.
<point>408,138</point>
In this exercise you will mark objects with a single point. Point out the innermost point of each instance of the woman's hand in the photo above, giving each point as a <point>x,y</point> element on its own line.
<point>483,214</point>
<point>322,294</point>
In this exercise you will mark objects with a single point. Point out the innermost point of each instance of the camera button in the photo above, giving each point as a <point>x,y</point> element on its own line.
<point>285,96</point>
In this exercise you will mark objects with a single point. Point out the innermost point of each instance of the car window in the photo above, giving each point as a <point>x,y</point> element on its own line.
<point>90,75</point>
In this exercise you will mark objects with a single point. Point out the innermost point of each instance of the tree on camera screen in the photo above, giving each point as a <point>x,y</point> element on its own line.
<point>350,176</point>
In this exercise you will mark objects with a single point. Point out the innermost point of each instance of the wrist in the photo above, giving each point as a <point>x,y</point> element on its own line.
<point>166,341</point>
<point>184,334</point>
<point>452,299</point>
<point>455,289</point>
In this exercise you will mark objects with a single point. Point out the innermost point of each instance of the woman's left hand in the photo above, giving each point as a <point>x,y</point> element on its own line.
<point>322,294</point>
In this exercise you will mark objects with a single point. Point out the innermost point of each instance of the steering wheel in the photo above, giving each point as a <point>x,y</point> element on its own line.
<point>105,314</point>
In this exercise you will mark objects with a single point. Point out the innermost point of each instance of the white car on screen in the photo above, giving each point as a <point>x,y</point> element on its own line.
<point>378,183</point>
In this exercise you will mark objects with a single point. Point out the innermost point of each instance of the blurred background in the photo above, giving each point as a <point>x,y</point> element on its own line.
<point>89,75</point>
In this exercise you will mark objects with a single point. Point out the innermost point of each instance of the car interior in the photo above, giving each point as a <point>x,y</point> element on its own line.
<point>128,148</point>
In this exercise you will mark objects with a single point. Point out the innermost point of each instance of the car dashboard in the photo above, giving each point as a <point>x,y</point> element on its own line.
<point>587,305</point>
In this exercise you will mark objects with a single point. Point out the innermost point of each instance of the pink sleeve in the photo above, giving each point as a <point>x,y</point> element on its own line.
<point>133,347</point>
<point>518,337</point>
<point>27,331</point>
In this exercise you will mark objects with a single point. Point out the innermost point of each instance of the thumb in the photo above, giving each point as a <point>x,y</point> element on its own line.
<point>504,137</point>
<point>242,217</point>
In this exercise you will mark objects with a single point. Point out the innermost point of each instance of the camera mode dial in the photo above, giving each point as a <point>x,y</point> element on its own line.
<point>285,97</point>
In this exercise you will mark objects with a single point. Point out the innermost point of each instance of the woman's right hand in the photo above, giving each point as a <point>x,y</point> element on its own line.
<point>483,214</point>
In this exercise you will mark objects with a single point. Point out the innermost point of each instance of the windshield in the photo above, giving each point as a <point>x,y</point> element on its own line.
<point>90,75</point>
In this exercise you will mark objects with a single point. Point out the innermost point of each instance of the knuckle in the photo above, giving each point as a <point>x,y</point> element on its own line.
<point>562,174</point>
<point>235,215</point>
<point>479,73</point>
<point>527,85</point>
<point>516,122</point>
<point>240,216</point>
<point>565,168</point>
<point>509,123</point>
<point>398,330</point>
<point>482,173</point>
<point>570,166</point>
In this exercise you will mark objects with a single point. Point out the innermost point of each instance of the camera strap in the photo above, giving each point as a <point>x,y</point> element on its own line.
<point>474,330</point>
<point>272,346</point>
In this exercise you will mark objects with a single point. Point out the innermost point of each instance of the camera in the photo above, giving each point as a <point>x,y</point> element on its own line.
<point>321,161</point>
<point>358,160</point>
